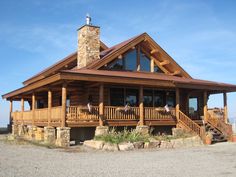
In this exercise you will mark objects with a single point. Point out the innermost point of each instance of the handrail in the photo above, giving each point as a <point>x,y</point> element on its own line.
<point>77,113</point>
<point>190,125</point>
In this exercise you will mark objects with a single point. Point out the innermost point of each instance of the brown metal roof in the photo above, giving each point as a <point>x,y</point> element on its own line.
<point>155,76</point>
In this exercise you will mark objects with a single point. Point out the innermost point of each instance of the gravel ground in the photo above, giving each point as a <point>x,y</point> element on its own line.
<point>29,160</point>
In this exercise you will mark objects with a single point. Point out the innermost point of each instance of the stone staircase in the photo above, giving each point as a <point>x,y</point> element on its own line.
<point>218,136</point>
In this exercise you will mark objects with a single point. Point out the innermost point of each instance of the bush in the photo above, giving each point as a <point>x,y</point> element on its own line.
<point>115,137</point>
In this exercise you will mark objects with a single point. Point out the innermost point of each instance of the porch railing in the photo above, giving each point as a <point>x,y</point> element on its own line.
<point>151,113</point>
<point>120,113</point>
<point>80,113</point>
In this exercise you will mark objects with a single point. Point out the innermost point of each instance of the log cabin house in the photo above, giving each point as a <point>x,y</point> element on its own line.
<point>128,85</point>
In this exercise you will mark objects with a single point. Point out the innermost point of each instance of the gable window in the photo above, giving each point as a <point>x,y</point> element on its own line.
<point>116,65</point>
<point>157,69</point>
<point>130,60</point>
<point>144,62</point>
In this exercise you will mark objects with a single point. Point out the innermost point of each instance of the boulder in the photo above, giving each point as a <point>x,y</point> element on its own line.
<point>166,145</point>
<point>94,144</point>
<point>138,145</point>
<point>110,147</point>
<point>126,146</point>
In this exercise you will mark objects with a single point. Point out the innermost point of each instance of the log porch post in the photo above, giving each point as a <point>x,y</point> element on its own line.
<point>177,104</point>
<point>141,108</point>
<point>225,107</point>
<point>101,104</point>
<point>33,109</point>
<point>63,105</point>
<point>49,106</point>
<point>22,108</point>
<point>205,105</point>
<point>11,109</point>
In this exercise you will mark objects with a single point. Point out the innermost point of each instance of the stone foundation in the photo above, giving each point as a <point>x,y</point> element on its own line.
<point>63,136</point>
<point>14,130</point>
<point>21,130</point>
<point>143,129</point>
<point>101,130</point>
<point>31,132</point>
<point>39,134</point>
<point>49,135</point>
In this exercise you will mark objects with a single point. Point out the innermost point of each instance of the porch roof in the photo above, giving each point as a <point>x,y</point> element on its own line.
<point>125,77</point>
<point>177,81</point>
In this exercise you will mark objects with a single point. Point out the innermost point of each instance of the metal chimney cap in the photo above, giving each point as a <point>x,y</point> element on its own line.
<point>88,19</point>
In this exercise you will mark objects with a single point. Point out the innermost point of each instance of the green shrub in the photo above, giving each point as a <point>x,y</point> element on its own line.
<point>115,137</point>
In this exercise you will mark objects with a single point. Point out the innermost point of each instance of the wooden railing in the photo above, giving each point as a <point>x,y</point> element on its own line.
<point>80,113</point>
<point>56,114</point>
<point>220,125</point>
<point>190,125</point>
<point>120,113</point>
<point>41,115</point>
<point>16,117</point>
<point>151,113</point>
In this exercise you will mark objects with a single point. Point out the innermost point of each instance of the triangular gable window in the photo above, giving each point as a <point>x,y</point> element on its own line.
<point>131,62</point>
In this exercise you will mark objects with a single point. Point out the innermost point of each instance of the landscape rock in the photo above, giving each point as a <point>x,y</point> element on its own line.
<point>94,144</point>
<point>126,146</point>
<point>138,145</point>
<point>110,147</point>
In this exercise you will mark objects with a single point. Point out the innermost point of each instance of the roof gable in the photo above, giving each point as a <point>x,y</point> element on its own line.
<point>67,63</point>
<point>149,47</point>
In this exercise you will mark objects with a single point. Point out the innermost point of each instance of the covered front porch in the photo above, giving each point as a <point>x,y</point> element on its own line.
<point>91,104</point>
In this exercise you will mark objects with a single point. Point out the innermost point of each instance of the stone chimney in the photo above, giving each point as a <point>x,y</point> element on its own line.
<point>88,44</point>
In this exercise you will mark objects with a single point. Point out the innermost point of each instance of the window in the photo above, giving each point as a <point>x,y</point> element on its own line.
<point>132,97</point>
<point>40,104</point>
<point>116,65</point>
<point>159,99</point>
<point>193,106</point>
<point>170,99</point>
<point>157,69</point>
<point>130,60</point>
<point>117,96</point>
<point>148,98</point>
<point>144,62</point>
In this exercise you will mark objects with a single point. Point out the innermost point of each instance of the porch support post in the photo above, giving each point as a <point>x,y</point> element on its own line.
<point>225,108</point>
<point>63,105</point>
<point>11,108</point>
<point>101,104</point>
<point>205,105</point>
<point>49,106</point>
<point>22,108</point>
<point>177,104</point>
<point>141,108</point>
<point>33,109</point>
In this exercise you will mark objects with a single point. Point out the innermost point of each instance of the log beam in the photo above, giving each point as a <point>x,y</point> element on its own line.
<point>225,107</point>
<point>175,73</point>
<point>63,105</point>
<point>153,51</point>
<point>205,105</point>
<point>165,62</point>
<point>177,103</point>
<point>101,104</point>
<point>141,107</point>
<point>33,109</point>
<point>49,106</point>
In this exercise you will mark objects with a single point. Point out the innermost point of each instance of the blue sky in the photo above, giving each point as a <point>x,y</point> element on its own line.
<point>199,35</point>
